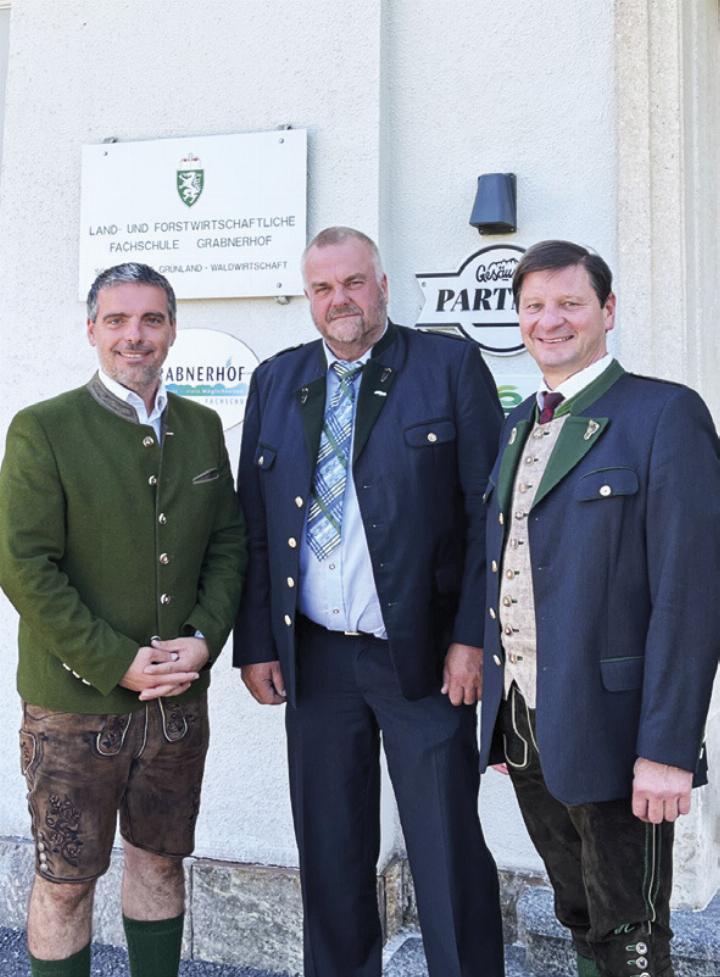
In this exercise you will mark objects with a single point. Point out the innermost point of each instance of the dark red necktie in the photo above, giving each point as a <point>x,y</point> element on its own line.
<point>551,401</point>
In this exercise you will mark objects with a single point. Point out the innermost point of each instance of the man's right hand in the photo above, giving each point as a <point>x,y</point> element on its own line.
<point>174,683</point>
<point>265,682</point>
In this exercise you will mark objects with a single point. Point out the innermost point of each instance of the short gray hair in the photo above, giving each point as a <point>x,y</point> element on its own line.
<point>135,273</point>
<point>337,235</point>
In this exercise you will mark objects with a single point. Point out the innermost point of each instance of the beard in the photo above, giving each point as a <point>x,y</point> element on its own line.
<point>138,378</point>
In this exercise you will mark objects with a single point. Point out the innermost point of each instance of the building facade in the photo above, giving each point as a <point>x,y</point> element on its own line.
<point>608,114</point>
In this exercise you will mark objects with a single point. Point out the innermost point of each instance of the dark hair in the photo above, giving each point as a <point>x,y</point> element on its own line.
<point>548,255</point>
<point>131,271</point>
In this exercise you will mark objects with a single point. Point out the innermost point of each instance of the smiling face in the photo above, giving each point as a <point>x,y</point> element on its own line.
<point>563,325</point>
<point>132,334</point>
<point>347,301</point>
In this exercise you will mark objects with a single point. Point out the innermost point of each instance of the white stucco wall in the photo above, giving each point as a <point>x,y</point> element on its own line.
<point>406,103</point>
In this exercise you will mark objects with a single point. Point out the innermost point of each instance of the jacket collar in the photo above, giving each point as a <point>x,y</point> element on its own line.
<point>579,434</point>
<point>378,377</point>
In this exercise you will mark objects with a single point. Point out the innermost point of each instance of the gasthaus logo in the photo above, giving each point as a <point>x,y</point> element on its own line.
<point>476,300</point>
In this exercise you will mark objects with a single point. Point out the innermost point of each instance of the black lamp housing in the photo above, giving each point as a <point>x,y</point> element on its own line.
<point>495,207</point>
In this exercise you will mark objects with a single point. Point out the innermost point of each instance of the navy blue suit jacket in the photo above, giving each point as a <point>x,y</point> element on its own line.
<point>625,548</point>
<point>426,435</point>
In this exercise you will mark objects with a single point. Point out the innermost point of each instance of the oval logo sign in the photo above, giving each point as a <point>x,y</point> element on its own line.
<point>476,300</point>
<point>211,367</point>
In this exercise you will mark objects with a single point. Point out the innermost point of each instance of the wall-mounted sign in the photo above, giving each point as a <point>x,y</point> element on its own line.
<point>213,368</point>
<point>476,300</point>
<point>221,216</point>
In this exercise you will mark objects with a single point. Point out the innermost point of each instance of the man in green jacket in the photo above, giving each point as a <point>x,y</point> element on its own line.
<point>122,549</point>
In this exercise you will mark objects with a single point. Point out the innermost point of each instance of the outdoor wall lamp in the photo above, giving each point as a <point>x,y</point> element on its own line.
<point>495,207</point>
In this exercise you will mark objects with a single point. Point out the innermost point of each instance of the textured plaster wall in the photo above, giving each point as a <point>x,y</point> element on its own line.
<point>477,88</point>
<point>81,71</point>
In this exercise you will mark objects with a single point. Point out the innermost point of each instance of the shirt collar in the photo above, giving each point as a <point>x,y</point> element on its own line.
<point>577,382</point>
<point>135,400</point>
<point>332,358</point>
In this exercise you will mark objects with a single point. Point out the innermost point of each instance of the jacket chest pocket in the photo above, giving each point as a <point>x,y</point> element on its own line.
<point>607,483</point>
<point>430,433</point>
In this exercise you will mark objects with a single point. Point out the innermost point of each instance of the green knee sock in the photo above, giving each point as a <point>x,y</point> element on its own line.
<point>154,947</point>
<point>586,967</point>
<point>78,965</point>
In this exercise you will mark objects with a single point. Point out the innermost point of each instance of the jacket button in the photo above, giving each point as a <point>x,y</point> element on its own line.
<point>292,542</point>
<point>288,620</point>
<point>162,518</point>
<point>148,442</point>
<point>605,490</point>
<point>164,559</point>
<point>165,598</point>
<point>290,582</point>
<point>641,948</point>
<point>494,566</point>
<point>491,612</point>
<point>432,437</point>
<point>497,660</point>
<point>152,480</point>
<point>299,502</point>
<point>261,460</point>
<point>501,519</point>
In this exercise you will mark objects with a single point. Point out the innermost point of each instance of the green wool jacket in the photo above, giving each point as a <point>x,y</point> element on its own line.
<point>108,539</point>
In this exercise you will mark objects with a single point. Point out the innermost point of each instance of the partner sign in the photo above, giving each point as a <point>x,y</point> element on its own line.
<point>476,300</point>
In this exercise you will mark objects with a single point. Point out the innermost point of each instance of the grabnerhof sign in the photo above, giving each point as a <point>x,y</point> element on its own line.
<point>213,368</point>
<point>221,216</point>
<point>476,300</point>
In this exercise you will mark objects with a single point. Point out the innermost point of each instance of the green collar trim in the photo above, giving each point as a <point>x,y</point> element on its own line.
<point>588,395</point>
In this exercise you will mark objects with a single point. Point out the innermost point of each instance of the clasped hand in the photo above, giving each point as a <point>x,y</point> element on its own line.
<point>166,668</point>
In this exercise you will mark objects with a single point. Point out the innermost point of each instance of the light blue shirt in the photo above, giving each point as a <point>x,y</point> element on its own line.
<point>154,418</point>
<point>339,592</point>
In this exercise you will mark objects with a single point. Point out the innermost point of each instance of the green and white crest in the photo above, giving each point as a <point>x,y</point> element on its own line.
<point>190,180</point>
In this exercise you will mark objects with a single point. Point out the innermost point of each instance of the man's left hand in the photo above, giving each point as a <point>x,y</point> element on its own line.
<point>660,792</point>
<point>463,674</point>
<point>191,654</point>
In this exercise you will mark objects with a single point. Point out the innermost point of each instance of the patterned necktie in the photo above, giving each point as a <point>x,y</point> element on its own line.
<point>551,402</point>
<point>328,490</point>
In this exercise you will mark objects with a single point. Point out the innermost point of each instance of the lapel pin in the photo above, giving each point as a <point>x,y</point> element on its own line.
<point>380,393</point>
<point>385,374</point>
<point>513,436</point>
<point>304,395</point>
<point>592,428</point>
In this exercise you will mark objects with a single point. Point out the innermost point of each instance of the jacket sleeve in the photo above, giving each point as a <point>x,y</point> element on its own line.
<point>479,419</point>
<point>222,572</point>
<point>253,640</point>
<point>683,553</point>
<point>32,544</point>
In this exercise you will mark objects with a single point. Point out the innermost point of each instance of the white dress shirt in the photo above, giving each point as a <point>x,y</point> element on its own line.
<point>154,418</point>
<point>339,592</point>
<point>577,382</point>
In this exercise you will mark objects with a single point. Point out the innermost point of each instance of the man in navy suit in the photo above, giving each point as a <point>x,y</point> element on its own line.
<point>603,617</point>
<point>364,459</point>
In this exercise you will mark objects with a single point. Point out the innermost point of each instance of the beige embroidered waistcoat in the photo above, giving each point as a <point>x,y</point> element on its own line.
<point>517,602</point>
